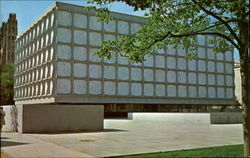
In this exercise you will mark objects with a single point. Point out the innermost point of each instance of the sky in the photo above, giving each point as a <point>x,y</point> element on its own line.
<point>28,11</point>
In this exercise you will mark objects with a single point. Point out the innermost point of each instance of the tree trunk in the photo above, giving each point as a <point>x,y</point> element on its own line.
<point>245,101</point>
<point>245,76</point>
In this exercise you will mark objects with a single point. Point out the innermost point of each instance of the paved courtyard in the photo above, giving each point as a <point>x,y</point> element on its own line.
<point>145,133</point>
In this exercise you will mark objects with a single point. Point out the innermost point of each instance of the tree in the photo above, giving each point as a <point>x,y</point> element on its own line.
<point>177,22</point>
<point>7,84</point>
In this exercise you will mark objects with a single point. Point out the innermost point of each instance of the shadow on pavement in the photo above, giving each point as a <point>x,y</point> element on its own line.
<point>8,143</point>
<point>4,138</point>
<point>68,132</point>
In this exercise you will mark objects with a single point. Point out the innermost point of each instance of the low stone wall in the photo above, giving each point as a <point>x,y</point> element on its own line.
<point>225,117</point>
<point>53,118</point>
<point>172,117</point>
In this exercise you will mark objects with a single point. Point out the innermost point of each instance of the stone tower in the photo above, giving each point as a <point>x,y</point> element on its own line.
<point>8,34</point>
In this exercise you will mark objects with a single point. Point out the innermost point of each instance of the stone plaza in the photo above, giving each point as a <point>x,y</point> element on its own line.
<point>145,133</point>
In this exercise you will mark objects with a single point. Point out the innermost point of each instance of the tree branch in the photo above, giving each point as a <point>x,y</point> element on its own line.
<point>199,32</point>
<point>207,33</point>
<point>220,19</point>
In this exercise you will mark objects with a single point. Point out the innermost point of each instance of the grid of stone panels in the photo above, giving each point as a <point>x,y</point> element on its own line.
<point>166,74</point>
<point>34,58</point>
<point>54,57</point>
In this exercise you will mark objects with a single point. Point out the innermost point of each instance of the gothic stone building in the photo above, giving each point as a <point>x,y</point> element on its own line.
<point>8,34</point>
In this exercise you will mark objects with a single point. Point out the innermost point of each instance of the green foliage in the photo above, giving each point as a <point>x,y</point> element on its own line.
<point>177,23</point>
<point>103,13</point>
<point>7,83</point>
<point>222,151</point>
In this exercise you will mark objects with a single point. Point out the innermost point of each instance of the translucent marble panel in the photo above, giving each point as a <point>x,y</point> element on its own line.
<point>80,20</point>
<point>181,62</point>
<point>95,38</point>
<point>110,26</point>
<point>210,54</point>
<point>211,79</point>
<point>109,88</point>
<point>149,61</point>
<point>192,91</point>
<point>220,80</point>
<point>93,57</point>
<point>123,88</point>
<point>80,70</point>
<point>148,89</point>
<point>64,35</point>
<point>201,65</point>
<point>171,62</point>
<point>202,78</point>
<point>229,80</point>
<point>64,52</point>
<point>182,91</point>
<point>171,50</point>
<point>201,52</point>
<point>51,38</point>
<point>64,69</point>
<point>182,77</point>
<point>52,17</point>
<point>221,92</point>
<point>95,87</point>
<point>148,75</point>
<point>171,90</point>
<point>160,90</point>
<point>64,18</point>
<point>202,91</point>
<point>211,66</point>
<point>109,72</point>
<point>80,53</point>
<point>160,76</point>
<point>160,61</point>
<point>93,24</point>
<point>229,56</point>
<point>79,87</point>
<point>192,65</point>
<point>229,93</point>
<point>220,56</point>
<point>220,67</point>
<point>211,92</point>
<point>109,37</point>
<point>123,73</point>
<point>201,40</point>
<point>181,51</point>
<point>95,71</point>
<point>192,78</point>
<point>136,74</point>
<point>63,86</point>
<point>136,89</point>
<point>134,28</point>
<point>47,23</point>
<point>80,37</point>
<point>171,76</point>
<point>122,60</point>
<point>123,27</point>
<point>229,68</point>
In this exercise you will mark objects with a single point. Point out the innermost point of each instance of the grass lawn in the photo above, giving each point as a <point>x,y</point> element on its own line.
<point>222,151</point>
